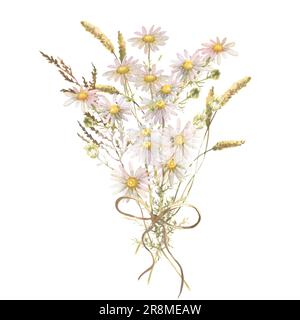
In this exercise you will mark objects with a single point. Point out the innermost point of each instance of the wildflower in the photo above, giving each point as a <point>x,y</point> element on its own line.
<point>168,88</point>
<point>149,80</point>
<point>145,146</point>
<point>82,97</point>
<point>123,71</point>
<point>217,49</point>
<point>132,183</point>
<point>116,110</point>
<point>187,66</point>
<point>174,168</point>
<point>159,111</point>
<point>179,142</point>
<point>149,40</point>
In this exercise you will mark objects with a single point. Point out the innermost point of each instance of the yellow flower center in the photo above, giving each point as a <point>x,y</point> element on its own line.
<point>218,47</point>
<point>171,164</point>
<point>149,78</point>
<point>160,104</point>
<point>132,182</point>
<point>187,65</point>
<point>82,95</point>
<point>114,109</point>
<point>148,38</point>
<point>147,145</point>
<point>179,139</point>
<point>166,89</point>
<point>146,132</point>
<point>123,70</point>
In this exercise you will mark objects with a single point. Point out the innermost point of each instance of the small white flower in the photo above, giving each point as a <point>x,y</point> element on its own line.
<point>174,168</point>
<point>145,146</point>
<point>116,110</point>
<point>159,110</point>
<point>149,40</point>
<point>216,49</point>
<point>168,89</point>
<point>132,183</point>
<point>187,66</point>
<point>149,80</point>
<point>122,71</point>
<point>82,97</point>
<point>179,142</point>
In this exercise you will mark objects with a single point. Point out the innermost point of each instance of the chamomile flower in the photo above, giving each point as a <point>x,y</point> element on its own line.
<point>149,40</point>
<point>179,142</point>
<point>82,97</point>
<point>168,89</point>
<point>122,71</point>
<point>187,66</point>
<point>132,183</point>
<point>217,49</point>
<point>149,80</point>
<point>145,146</point>
<point>115,110</point>
<point>174,168</point>
<point>159,110</point>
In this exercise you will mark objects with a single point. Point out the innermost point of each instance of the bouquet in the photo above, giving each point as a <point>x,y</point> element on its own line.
<point>134,125</point>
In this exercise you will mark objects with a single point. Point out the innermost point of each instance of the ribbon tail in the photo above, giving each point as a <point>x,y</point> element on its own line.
<point>145,246</point>
<point>176,261</point>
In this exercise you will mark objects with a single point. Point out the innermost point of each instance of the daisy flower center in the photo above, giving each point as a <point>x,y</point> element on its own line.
<point>82,95</point>
<point>148,38</point>
<point>160,104</point>
<point>187,65</point>
<point>122,70</point>
<point>166,89</point>
<point>218,47</point>
<point>171,164</point>
<point>132,182</point>
<point>114,109</point>
<point>179,139</point>
<point>149,78</point>
<point>147,145</point>
<point>146,132</point>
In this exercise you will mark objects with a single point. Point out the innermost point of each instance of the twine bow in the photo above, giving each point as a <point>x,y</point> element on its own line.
<point>158,219</point>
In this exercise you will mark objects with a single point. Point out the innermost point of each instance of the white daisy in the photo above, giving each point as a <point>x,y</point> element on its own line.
<point>174,168</point>
<point>116,110</point>
<point>145,146</point>
<point>218,48</point>
<point>149,40</point>
<point>159,110</point>
<point>187,66</point>
<point>179,142</point>
<point>168,89</point>
<point>122,71</point>
<point>134,183</point>
<point>149,80</point>
<point>82,97</point>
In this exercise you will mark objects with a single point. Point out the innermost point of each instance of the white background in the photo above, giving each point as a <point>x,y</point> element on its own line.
<point>60,236</point>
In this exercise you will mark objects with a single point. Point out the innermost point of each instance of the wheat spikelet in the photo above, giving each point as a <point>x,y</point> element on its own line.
<point>122,46</point>
<point>97,33</point>
<point>237,86</point>
<point>227,144</point>
<point>107,89</point>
